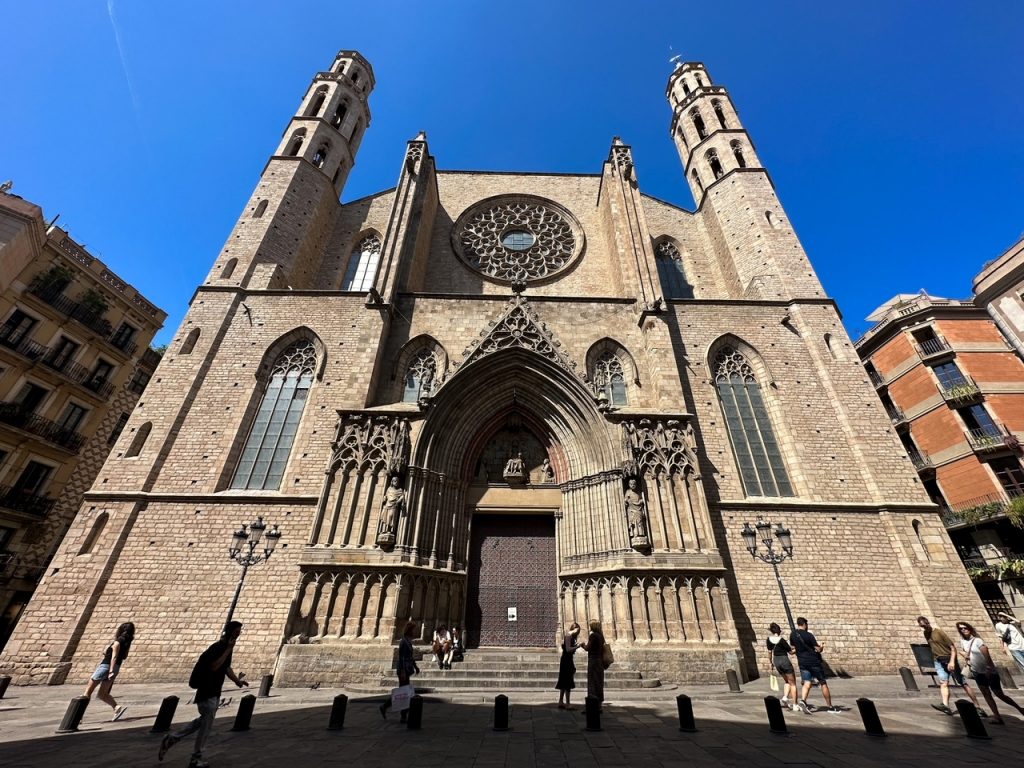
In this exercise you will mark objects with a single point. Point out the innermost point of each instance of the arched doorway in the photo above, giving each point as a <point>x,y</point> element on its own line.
<point>507,433</point>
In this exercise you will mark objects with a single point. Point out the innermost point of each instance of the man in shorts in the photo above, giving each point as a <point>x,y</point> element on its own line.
<point>808,654</point>
<point>946,665</point>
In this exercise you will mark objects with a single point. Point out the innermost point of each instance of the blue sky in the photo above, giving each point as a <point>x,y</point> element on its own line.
<point>892,129</point>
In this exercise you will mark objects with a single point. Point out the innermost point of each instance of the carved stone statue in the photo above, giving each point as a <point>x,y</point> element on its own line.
<point>390,511</point>
<point>515,471</point>
<point>546,471</point>
<point>636,517</point>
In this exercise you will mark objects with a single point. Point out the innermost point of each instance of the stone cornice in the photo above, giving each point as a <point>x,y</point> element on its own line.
<point>224,497</point>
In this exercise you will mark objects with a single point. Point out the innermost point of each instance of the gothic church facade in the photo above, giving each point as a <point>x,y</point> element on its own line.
<point>506,401</point>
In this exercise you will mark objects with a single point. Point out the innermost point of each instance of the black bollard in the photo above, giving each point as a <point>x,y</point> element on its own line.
<point>74,715</point>
<point>776,720</point>
<point>908,679</point>
<point>1005,677</point>
<point>5,680</point>
<point>593,713</point>
<point>971,719</point>
<point>501,713</point>
<point>265,685</point>
<point>685,708</point>
<point>415,713</point>
<point>734,681</point>
<point>338,709</point>
<point>165,716</point>
<point>868,713</point>
<point>245,708</point>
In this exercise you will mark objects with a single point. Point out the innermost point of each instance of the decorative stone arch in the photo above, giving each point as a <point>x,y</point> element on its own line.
<point>286,340</point>
<point>762,371</point>
<point>373,241</point>
<point>617,348</point>
<point>412,348</point>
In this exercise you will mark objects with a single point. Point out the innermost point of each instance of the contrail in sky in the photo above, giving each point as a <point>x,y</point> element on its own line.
<point>124,64</point>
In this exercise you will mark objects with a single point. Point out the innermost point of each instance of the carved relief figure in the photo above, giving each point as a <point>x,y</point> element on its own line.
<point>390,511</point>
<point>547,472</point>
<point>514,468</point>
<point>636,516</point>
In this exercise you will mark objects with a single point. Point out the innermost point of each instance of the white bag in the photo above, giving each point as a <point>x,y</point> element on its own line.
<point>400,697</point>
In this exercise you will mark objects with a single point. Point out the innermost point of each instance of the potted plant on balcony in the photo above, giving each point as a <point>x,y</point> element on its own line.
<point>54,280</point>
<point>93,303</point>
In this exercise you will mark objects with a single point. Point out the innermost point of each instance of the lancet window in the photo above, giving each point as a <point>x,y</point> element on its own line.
<point>272,433</point>
<point>670,269</point>
<point>611,379</point>
<point>419,377</point>
<point>762,469</point>
<point>362,264</point>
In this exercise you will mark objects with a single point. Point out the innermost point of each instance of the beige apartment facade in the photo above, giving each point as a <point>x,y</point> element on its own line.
<point>505,401</point>
<point>74,357</point>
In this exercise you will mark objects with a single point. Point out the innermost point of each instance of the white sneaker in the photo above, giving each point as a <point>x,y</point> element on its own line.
<point>784,701</point>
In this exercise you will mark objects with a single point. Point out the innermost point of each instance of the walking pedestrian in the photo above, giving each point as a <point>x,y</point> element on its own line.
<point>595,661</point>
<point>781,663</point>
<point>947,665</point>
<point>566,666</point>
<point>1009,631</point>
<point>808,655</point>
<point>110,667</point>
<point>405,668</point>
<point>208,680</point>
<point>982,669</point>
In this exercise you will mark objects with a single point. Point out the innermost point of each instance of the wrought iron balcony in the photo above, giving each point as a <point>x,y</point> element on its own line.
<point>126,345</point>
<point>54,360</point>
<point>87,316</point>
<point>933,347</point>
<point>876,378</point>
<point>899,418</point>
<point>16,416</point>
<point>960,391</point>
<point>980,509</point>
<point>28,503</point>
<point>921,462</point>
<point>987,438</point>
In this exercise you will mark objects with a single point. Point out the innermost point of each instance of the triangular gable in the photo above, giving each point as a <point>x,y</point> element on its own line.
<point>517,327</point>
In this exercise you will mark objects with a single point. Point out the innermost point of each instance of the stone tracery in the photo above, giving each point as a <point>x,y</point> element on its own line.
<point>478,235</point>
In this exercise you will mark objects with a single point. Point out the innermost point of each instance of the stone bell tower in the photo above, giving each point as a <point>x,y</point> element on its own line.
<point>758,250</point>
<point>278,241</point>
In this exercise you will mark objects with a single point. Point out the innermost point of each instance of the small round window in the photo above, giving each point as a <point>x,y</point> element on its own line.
<point>518,240</point>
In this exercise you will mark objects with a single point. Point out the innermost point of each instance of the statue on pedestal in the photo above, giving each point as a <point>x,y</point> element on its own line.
<point>636,517</point>
<point>515,471</point>
<point>390,511</point>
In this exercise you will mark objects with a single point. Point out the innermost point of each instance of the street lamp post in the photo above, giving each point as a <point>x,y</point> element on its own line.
<point>243,550</point>
<point>770,555</point>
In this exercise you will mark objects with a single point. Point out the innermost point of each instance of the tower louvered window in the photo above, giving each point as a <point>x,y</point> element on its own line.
<point>671,272</point>
<point>750,428</point>
<point>362,265</point>
<point>273,430</point>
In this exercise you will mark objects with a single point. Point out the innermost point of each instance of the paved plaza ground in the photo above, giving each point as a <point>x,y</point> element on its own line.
<point>639,729</point>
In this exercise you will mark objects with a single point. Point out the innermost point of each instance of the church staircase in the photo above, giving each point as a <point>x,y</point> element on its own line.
<point>516,669</point>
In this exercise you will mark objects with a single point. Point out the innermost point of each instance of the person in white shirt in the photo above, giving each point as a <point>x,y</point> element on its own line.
<point>1009,631</point>
<point>442,647</point>
<point>980,666</point>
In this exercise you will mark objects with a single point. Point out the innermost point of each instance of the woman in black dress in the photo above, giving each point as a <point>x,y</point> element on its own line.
<point>781,663</point>
<point>566,667</point>
<point>595,664</point>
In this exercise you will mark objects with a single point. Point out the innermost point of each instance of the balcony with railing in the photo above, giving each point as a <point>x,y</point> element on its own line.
<point>1008,565</point>
<point>16,416</point>
<point>921,462</point>
<point>960,391</point>
<point>91,317</point>
<point>932,348</point>
<point>896,414</point>
<point>26,503</point>
<point>57,361</point>
<point>980,509</point>
<point>986,439</point>
<point>876,379</point>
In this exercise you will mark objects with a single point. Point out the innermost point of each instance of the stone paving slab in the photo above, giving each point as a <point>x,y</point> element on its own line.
<point>289,729</point>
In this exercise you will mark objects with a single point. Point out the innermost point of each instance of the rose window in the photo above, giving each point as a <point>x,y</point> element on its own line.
<point>517,238</point>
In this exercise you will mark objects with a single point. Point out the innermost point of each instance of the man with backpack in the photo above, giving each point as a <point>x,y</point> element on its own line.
<point>808,654</point>
<point>208,679</point>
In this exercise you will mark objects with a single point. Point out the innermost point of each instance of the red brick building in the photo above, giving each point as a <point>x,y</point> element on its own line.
<point>954,388</point>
